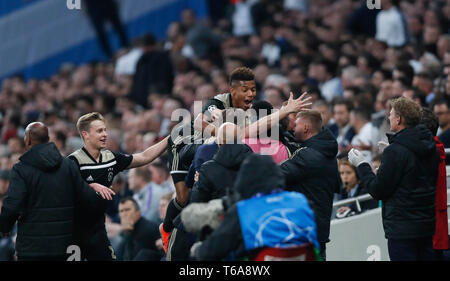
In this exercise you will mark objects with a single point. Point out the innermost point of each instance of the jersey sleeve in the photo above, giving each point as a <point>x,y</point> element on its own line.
<point>123,160</point>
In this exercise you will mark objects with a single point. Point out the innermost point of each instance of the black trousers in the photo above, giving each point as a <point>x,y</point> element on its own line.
<point>323,251</point>
<point>96,247</point>
<point>418,249</point>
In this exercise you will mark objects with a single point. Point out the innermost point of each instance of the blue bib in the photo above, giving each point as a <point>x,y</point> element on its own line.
<point>279,220</point>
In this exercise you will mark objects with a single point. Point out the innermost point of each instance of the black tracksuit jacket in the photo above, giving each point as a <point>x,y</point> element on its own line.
<point>43,192</point>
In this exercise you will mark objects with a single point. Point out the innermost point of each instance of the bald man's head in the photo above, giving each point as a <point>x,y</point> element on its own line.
<point>228,133</point>
<point>36,133</point>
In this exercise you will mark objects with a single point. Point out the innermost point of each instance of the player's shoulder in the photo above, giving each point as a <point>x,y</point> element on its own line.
<point>79,156</point>
<point>224,98</point>
<point>107,155</point>
<point>220,101</point>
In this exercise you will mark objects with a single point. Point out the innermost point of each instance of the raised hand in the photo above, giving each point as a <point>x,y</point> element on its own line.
<point>299,104</point>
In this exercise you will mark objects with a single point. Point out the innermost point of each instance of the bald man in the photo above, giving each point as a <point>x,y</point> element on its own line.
<point>43,192</point>
<point>215,178</point>
<point>229,133</point>
<point>224,165</point>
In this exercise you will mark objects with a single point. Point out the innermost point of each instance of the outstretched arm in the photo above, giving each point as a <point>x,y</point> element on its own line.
<point>265,123</point>
<point>205,124</point>
<point>148,155</point>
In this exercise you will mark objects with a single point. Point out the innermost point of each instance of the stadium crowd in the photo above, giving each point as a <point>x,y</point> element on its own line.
<point>351,60</point>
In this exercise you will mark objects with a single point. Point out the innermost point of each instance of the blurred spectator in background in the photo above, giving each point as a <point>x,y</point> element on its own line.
<point>146,192</point>
<point>275,97</point>
<point>363,20</point>
<point>342,129</point>
<point>203,41</point>
<point>7,244</point>
<point>325,111</point>
<point>161,175</point>
<point>11,126</point>
<point>139,234</point>
<point>100,12</point>
<point>126,64</point>
<point>391,24</point>
<point>366,134</point>
<point>4,181</point>
<point>242,18</point>
<point>441,109</point>
<point>324,72</point>
<point>16,145</point>
<point>154,72</point>
<point>424,82</point>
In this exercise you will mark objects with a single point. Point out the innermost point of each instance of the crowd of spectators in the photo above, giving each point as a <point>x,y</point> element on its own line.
<point>351,59</point>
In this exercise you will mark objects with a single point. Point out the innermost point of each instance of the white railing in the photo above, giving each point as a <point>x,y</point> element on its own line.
<point>367,197</point>
<point>356,200</point>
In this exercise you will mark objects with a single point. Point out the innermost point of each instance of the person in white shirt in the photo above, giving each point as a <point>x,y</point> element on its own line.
<point>390,25</point>
<point>242,18</point>
<point>126,64</point>
<point>146,193</point>
<point>323,71</point>
<point>366,136</point>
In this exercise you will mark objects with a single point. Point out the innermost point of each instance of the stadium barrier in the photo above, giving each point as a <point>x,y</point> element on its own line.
<point>361,237</point>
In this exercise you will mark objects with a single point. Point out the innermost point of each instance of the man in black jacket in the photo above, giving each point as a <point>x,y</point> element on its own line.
<point>43,192</point>
<point>313,170</point>
<point>405,182</point>
<point>224,166</point>
<point>139,234</point>
<point>154,72</point>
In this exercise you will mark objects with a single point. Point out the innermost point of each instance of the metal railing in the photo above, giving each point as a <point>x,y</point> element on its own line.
<point>367,197</point>
<point>356,200</point>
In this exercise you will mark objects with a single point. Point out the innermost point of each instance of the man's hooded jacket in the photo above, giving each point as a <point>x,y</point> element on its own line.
<point>406,183</point>
<point>313,171</point>
<point>43,192</point>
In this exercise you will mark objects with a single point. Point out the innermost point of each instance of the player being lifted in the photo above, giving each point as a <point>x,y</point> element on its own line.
<point>241,95</point>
